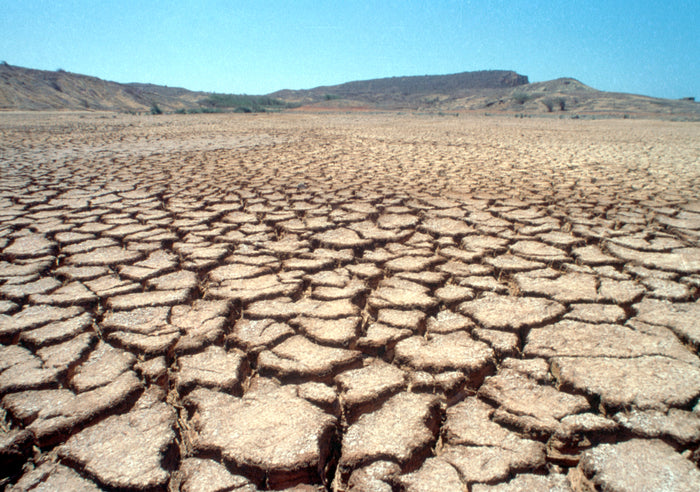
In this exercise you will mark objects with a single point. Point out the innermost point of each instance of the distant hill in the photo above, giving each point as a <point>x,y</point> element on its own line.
<point>402,88</point>
<point>488,91</point>
<point>492,91</point>
<point>29,89</point>
<point>570,97</point>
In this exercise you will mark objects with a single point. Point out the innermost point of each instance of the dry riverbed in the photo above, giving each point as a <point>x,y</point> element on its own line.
<point>366,302</point>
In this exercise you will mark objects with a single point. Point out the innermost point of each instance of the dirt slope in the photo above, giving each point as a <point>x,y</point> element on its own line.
<point>28,89</point>
<point>513,95</point>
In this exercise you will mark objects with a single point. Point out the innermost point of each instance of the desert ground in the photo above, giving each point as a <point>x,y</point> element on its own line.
<point>367,302</point>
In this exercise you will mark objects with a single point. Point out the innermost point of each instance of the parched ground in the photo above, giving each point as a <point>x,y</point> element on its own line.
<point>348,302</point>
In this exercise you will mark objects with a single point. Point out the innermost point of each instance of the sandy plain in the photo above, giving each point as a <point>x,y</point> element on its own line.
<point>348,301</point>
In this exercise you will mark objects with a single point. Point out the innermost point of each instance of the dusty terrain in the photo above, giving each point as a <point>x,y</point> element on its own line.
<point>348,302</point>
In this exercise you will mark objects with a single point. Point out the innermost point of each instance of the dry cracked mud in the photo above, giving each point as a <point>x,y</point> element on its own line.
<point>348,302</point>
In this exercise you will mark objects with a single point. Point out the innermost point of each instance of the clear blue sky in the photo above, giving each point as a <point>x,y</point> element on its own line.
<point>647,47</point>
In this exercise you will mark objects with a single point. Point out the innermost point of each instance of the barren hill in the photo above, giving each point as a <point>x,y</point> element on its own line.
<point>571,97</point>
<point>400,88</point>
<point>488,91</point>
<point>29,89</point>
<point>494,91</point>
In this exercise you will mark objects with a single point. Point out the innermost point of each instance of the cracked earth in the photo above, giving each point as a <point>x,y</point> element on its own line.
<point>348,302</point>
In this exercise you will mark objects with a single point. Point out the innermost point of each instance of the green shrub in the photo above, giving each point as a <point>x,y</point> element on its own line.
<point>155,109</point>
<point>553,102</point>
<point>253,104</point>
<point>522,97</point>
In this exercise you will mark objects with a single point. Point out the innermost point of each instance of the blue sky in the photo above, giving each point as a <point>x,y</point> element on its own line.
<point>256,47</point>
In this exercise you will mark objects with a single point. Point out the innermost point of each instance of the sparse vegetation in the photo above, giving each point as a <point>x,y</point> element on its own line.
<point>331,97</point>
<point>522,97</point>
<point>242,103</point>
<point>553,102</point>
<point>432,84</point>
<point>199,110</point>
<point>155,109</point>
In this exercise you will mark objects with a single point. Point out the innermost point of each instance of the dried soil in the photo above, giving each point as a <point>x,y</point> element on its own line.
<point>348,302</point>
